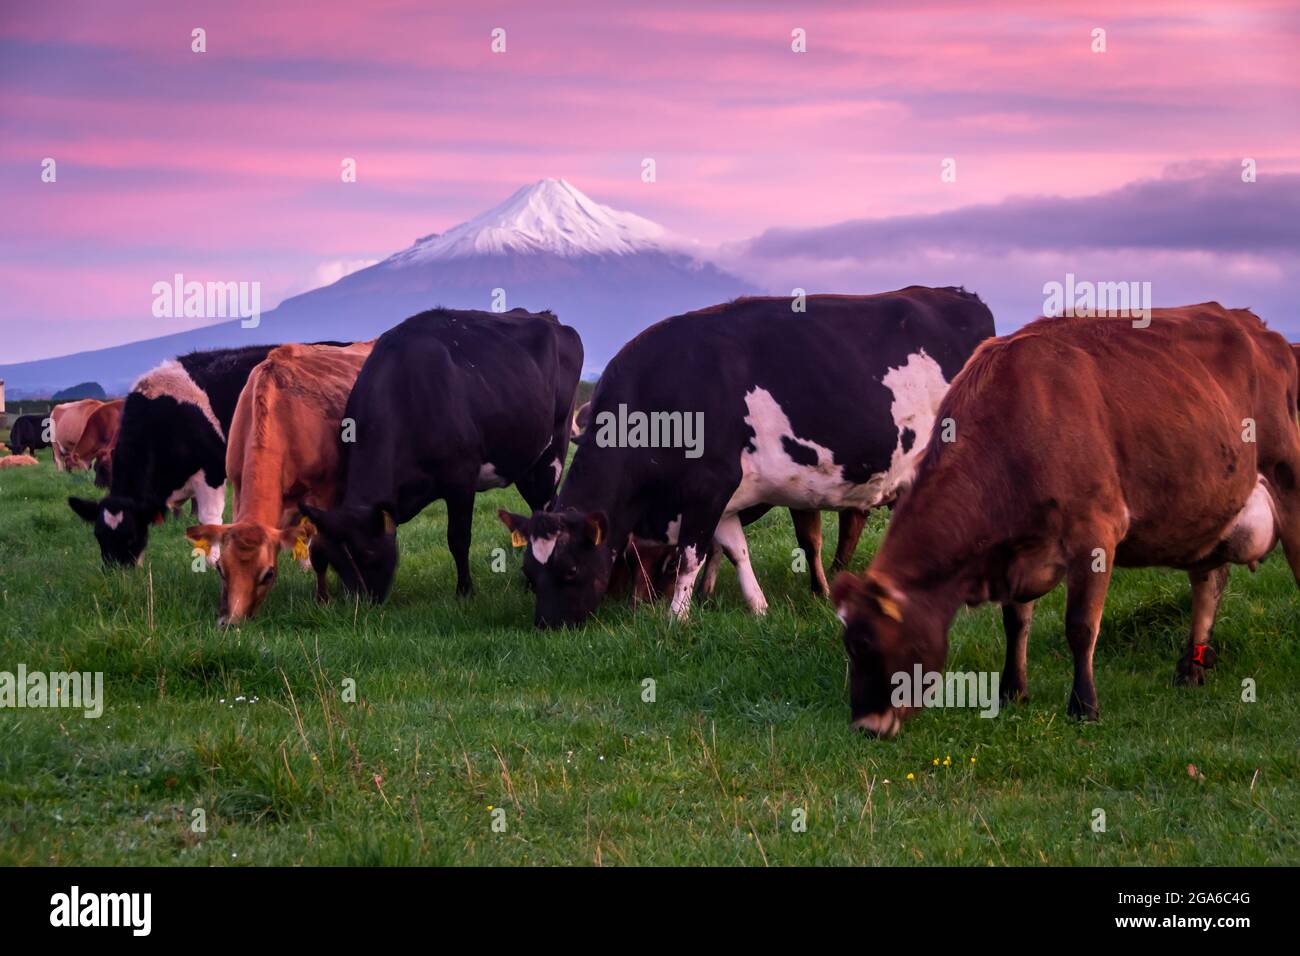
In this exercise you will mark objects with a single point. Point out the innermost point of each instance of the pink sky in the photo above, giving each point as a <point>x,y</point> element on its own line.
<point>225,165</point>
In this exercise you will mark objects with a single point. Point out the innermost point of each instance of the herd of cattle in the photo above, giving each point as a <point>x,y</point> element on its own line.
<point>1058,452</point>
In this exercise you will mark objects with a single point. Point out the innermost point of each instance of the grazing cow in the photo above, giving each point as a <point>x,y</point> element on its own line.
<point>652,568</point>
<point>27,434</point>
<point>1081,445</point>
<point>283,451</point>
<point>818,410</point>
<point>69,422</point>
<point>449,403</point>
<point>808,534</point>
<point>171,447</point>
<point>651,584</point>
<point>95,446</point>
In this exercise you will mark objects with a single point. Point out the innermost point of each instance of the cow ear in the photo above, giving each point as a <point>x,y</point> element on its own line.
<point>518,526</point>
<point>379,521</point>
<point>887,599</point>
<point>597,527</point>
<point>203,535</point>
<point>322,521</point>
<point>314,515</point>
<point>85,509</point>
<point>298,538</point>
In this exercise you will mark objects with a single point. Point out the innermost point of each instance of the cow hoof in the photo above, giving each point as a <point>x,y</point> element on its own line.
<point>1193,665</point>
<point>1189,673</point>
<point>1013,694</point>
<point>464,590</point>
<point>882,726</point>
<point>1083,710</point>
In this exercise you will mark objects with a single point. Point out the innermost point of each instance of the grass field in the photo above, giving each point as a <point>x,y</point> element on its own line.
<point>463,709</point>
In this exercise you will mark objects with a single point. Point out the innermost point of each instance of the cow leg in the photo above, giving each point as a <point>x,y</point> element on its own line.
<point>1207,592</point>
<point>1085,600</point>
<point>708,580</point>
<point>321,565</point>
<point>731,536</point>
<point>1016,619</point>
<point>460,520</point>
<point>59,464</point>
<point>688,569</point>
<point>1285,489</point>
<point>808,532</point>
<point>852,521</point>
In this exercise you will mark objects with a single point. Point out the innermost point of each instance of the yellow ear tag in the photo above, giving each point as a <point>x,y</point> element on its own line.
<point>517,539</point>
<point>890,608</point>
<point>201,544</point>
<point>300,550</point>
<point>599,536</point>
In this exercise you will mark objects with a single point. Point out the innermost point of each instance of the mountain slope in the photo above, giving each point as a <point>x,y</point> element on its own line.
<point>605,272</point>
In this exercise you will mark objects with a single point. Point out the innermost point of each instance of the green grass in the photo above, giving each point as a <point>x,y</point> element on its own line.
<point>462,706</point>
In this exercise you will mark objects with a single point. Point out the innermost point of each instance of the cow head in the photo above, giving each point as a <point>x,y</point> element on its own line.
<point>885,633</point>
<point>360,543</point>
<point>121,526</point>
<point>248,555</point>
<point>567,561</point>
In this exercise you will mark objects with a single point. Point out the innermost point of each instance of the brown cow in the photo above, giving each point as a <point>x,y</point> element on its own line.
<point>94,448</point>
<point>283,450</point>
<point>1079,445</point>
<point>69,421</point>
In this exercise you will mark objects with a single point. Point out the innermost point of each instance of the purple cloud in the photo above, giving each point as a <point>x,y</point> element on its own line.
<point>1198,207</point>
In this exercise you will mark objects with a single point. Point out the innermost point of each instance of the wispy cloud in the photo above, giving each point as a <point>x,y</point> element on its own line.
<point>1197,233</point>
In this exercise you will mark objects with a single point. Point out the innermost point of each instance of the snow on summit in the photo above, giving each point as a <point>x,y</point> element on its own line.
<point>550,216</point>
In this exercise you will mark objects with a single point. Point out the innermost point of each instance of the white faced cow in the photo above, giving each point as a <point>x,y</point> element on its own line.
<point>171,447</point>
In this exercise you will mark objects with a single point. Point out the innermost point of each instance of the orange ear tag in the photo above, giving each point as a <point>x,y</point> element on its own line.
<point>517,539</point>
<point>300,550</point>
<point>890,609</point>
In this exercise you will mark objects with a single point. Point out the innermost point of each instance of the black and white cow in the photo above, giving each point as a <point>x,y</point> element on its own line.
<point>171,447</point>
<point>27,434</point>
<point>826,409</point>
<point>448,403</point>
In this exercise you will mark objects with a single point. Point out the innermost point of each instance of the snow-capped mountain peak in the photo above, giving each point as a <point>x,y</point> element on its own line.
<point>551,217</point>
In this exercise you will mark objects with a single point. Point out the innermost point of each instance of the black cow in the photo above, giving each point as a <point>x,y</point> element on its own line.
<point>449,403</point>
<point>171,446</point>
<point>27,433</point>
<point>825,409</point>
